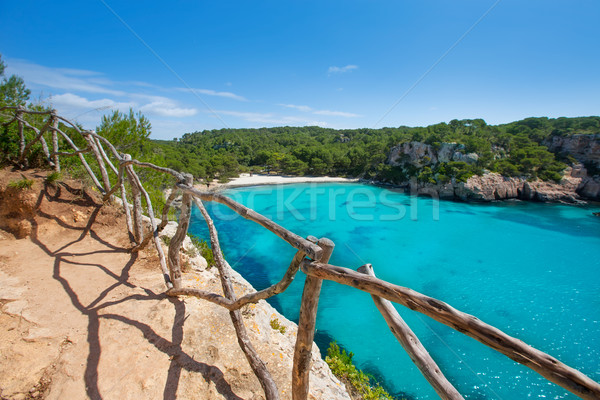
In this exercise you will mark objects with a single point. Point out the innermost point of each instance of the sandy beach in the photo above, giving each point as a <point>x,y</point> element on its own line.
<point>258,179</point>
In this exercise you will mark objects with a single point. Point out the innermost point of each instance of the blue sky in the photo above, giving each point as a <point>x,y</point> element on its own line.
<point>194,65</point>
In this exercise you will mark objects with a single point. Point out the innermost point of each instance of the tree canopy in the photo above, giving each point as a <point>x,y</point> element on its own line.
<point>514,149</point>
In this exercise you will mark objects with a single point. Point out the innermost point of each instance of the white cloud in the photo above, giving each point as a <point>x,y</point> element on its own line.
<point>62,78</point>
<point>301,108</point>
<point>70,101</point>
<point>321,112</point>
<point>336,113</point>
<point>210,92</point>
<point>270,118</point>
<point>167,109</point>
<point>340,70</point>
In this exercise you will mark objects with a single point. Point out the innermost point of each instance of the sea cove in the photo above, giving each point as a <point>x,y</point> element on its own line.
<point>529,269</point>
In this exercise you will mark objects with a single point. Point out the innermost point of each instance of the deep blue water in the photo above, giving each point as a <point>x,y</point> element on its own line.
<point>532,270</point>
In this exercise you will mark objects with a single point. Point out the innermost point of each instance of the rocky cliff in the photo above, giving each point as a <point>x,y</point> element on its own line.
<point>575,186</point>
<point>419,154</point>
<point>584,148</point>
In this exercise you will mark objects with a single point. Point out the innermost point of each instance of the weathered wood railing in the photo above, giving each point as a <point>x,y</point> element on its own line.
<point>312,258</point>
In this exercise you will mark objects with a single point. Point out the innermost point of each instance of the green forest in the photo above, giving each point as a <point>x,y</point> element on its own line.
<point>514,149</point>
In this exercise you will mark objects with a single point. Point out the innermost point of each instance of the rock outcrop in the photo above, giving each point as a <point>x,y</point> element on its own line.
<point>584,148</point>
<point>575,186</point>
<point>492,186</point>
<point>419,154</point>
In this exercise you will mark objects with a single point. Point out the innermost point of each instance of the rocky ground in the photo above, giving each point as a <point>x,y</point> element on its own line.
<point>82,317</point>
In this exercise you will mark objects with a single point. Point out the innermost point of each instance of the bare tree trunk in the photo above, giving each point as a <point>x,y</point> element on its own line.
<point>138,229</point>
<point>100,161</point>
<point>298,242</point>
<point>154,233</point>
<point>306,328</point>
<point>257,365</point>
<point>544,364</point>
<point>180,234</point>
<point>19,116</point>
<point>165,212</point>
<point>54,126</point>
<point>82,159</point>
<point>413,346</point>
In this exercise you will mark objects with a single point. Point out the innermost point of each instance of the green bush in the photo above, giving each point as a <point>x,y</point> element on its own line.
<point>21,184</point>
<point>204,249</point>
<point>276,325</point>
<point>342,366</point>
<point>53,178</point>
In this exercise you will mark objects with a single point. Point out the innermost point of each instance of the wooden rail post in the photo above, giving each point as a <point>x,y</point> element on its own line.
<point>138,231</point>
<point>306,328</point>
<point>179,236</point>
<point>258,366</point>
<point>99,160</point>
<point>413,346</point>
<point>20,125</point>
<point>549,367</point>
<point>54,125</point>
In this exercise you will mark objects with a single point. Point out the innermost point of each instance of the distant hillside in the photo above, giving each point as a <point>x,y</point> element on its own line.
<point>526,148</point>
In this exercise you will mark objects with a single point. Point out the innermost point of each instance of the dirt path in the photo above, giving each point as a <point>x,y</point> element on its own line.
<point>82,317</point>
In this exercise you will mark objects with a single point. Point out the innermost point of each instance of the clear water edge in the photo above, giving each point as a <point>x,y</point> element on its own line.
<point>531,270</point>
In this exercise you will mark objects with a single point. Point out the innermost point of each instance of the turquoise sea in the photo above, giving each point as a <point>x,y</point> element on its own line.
<point>532,270</point>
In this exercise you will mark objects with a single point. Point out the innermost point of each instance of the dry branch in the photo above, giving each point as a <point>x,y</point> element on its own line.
<point>81,157</point>
<point>161,254</point>
<point>103,153</point>
<point>275,289</point>
<point>257,365</point>
<point>39,137</point>
<point>413,346</point>
<point>53,127</point>
<point>254,297</point>
<point>18,116</point>
<point>165,212</point>
<point>100,161</point>
<point>544,364</point>
<point>179,236</point>
<point>25,111</point>
<point>138,230</point>
<point>109,144</point>
<point>204,295</point>
<point>313,251</point>
<point>177,175</point>
<point>306,328</point>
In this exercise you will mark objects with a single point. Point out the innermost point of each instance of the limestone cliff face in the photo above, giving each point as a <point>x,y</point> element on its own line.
<point>492,186</point>
<point>419,154</point>
<point>575,185</point>
<point>584,148</point>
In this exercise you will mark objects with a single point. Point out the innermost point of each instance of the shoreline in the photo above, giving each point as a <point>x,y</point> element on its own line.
<point>482,194</point>
<point>246,180</point>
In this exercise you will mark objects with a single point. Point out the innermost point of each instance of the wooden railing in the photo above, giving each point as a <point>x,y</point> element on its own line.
<point>311,258</point>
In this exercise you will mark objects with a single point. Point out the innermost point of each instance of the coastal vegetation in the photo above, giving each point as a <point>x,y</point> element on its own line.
<point>514,149</point>
<point>359,383</point>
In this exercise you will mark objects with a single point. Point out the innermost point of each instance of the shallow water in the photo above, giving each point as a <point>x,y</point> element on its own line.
<point>532,270</point>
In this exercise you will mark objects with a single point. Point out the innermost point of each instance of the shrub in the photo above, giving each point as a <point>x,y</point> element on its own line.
<point>166,240</point>
<point>53,178</point>
<point>21,184</point>
<point>204,249</point>
<point>342,366</point>
<point>275,324</point>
